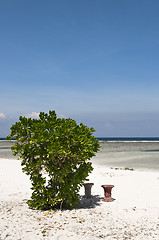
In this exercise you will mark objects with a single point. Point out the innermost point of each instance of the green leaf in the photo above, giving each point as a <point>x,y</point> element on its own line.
<point>56,154</point>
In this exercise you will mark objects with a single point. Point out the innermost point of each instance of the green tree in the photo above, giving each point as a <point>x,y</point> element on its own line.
<point>56,153</point>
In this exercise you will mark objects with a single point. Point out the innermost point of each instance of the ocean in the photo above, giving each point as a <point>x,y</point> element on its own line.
<point>129,152</point>
<point>128,139</point>
<point>122,139</point>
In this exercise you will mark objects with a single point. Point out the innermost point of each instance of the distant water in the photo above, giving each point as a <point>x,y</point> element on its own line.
<point>128,139</point>
<point>122,139</point>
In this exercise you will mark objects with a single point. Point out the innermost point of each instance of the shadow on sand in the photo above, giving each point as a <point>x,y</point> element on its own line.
<point>90,202</point>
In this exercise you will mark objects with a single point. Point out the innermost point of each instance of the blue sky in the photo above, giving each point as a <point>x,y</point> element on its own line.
<point>95,61</point>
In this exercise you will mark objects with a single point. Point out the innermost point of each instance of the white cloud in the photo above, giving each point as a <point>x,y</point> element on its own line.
<point>62,116</point>
<point>2,116</point>
<point>34,115</point>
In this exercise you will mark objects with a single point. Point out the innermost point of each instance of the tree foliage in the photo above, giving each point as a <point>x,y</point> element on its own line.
<point>56,154</point>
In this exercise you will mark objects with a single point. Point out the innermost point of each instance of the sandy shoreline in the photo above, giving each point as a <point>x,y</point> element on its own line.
<point>133,215</point>
<point>136,155</point>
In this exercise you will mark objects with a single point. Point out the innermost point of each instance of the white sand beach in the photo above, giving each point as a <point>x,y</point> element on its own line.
<point>134,214</point>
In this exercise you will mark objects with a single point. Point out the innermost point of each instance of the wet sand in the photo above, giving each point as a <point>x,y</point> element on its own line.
<point>5,150</point>
<point>136,155</point>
